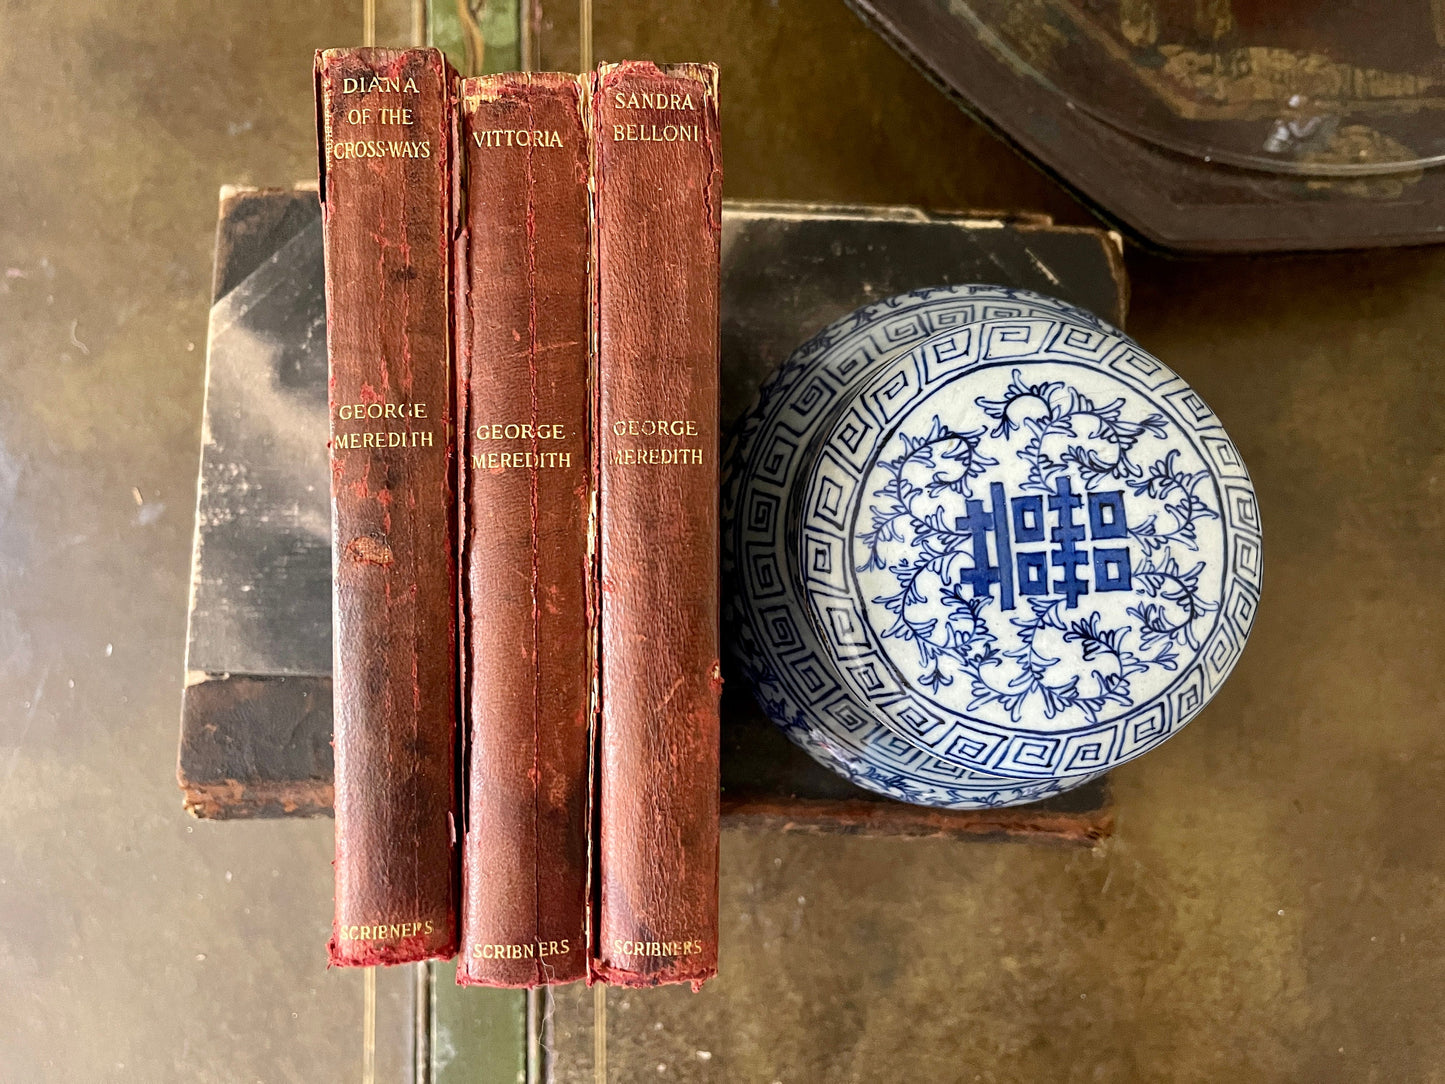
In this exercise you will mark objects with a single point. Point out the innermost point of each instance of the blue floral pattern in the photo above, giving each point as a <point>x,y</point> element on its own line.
<point>857,598</point>
<point>1009,652</point>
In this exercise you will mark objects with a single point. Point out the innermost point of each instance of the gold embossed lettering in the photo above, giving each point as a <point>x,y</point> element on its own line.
<point>657,133</point>
<point>378,148</point>
<point>384,931</point>
<point>646,99</point>
<point>688,947</point>
<point>525,950</point>
<point>398,413</point>
<point>517,137</point>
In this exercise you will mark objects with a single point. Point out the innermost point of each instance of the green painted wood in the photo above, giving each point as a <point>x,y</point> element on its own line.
<point>478,1035</point>
<point>478,36</point>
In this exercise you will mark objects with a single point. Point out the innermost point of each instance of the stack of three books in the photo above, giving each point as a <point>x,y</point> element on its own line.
<point>522,311</point>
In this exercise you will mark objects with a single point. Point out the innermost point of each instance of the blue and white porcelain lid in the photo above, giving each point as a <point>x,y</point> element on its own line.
<point>1030,546</point>
<point>885,697</point>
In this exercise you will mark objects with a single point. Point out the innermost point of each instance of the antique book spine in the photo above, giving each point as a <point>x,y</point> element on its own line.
<point>525,409</point>
<point>658,180</point>
<point>385,121</point>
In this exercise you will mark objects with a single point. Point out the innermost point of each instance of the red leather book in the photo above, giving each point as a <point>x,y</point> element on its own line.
<point>385,121</point>
<point>526,496</point>
<point>659,200</point>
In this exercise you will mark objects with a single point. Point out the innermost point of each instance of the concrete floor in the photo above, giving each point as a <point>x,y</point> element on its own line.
<point>1270,909</point>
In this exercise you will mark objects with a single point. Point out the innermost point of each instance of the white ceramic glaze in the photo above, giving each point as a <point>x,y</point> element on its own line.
<point>980,547</point>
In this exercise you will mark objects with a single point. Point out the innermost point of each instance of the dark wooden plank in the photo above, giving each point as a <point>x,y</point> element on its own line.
<point>257,222</point>
<point>261,575</point>
<point>790,269</point>
<point>256,746</point>
<point>768,782</point>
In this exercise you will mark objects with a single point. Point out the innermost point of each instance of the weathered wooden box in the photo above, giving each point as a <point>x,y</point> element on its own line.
<point>256,715</point>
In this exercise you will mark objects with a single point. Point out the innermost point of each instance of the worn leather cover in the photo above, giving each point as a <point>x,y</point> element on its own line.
<point>385,139</point>
<point>525,410</point>
<point>659,208</point>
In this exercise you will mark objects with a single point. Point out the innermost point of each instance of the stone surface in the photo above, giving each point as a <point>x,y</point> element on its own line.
<point>135,942</point>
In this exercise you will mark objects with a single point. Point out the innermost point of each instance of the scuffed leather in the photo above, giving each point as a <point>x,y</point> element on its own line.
<point>526,552</point>
<point>387,231</point>
<point>658,229</point>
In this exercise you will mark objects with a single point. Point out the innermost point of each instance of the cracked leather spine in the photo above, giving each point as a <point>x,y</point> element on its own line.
<point>658,182</point>
<point>524,358</point>
<point>385,141</point>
